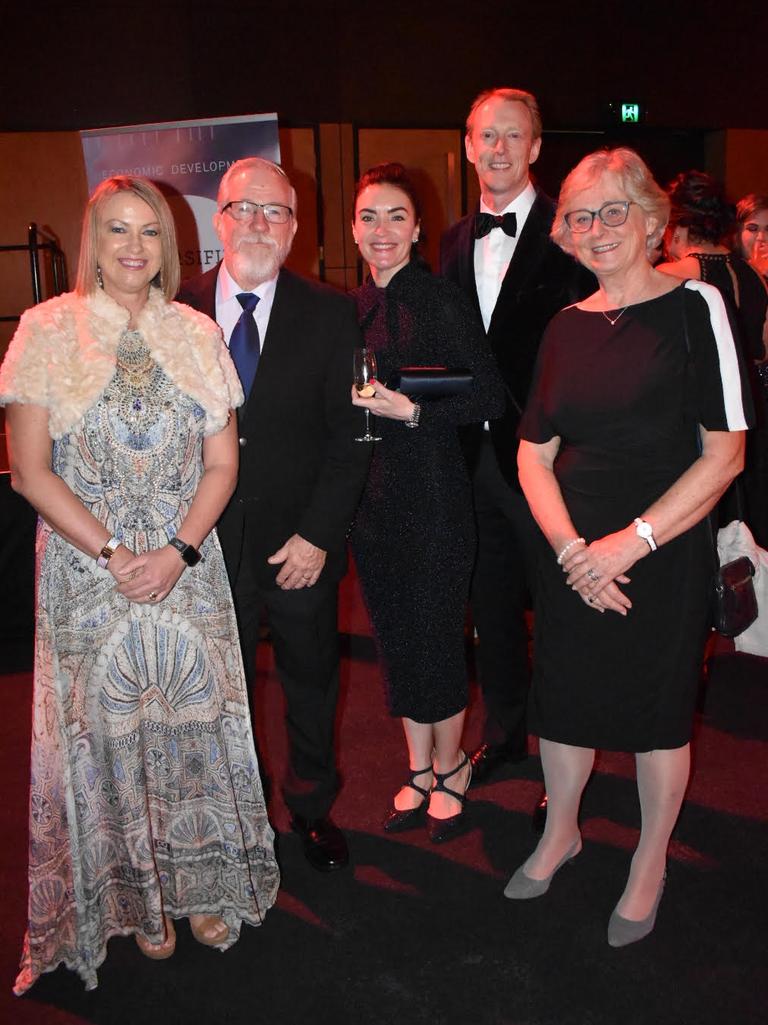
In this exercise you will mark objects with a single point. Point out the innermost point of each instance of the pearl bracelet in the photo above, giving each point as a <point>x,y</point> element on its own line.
<point>576,541</point>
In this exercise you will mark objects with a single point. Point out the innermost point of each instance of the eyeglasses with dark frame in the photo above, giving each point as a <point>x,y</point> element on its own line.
<point>612,215</point>
<point>244,210</point>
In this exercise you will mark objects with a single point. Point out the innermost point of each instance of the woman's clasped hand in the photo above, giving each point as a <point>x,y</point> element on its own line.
<point>596,570</point>
<point>146,578</point>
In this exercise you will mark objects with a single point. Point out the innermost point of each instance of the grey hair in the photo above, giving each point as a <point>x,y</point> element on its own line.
<point>246,164</point>
<point>636,181</point>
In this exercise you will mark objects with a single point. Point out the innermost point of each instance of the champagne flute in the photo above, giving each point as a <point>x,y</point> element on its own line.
<point>363,373</point>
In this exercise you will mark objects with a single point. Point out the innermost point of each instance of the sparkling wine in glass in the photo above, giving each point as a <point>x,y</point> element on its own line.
<point>363,374</point>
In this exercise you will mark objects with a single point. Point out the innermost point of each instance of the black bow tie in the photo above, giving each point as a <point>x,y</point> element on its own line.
<point>484,223</point>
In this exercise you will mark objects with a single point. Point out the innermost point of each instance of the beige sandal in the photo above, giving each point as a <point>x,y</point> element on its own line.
<point>158,951</point>
<point>209,929</point>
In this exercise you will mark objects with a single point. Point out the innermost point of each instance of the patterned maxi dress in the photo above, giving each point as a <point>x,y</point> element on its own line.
<point>145,790</point>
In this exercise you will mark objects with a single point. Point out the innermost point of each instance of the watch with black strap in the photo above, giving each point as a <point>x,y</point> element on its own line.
<point>189,553</point>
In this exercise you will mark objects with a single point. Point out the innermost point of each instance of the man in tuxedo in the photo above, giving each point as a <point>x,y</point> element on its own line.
<point>518,279</point>
<point>301,472</point>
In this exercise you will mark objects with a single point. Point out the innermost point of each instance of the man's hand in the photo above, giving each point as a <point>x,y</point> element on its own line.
<point>302,563</point>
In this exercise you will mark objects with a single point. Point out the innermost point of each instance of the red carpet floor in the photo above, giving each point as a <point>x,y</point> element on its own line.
<point>413,933</point>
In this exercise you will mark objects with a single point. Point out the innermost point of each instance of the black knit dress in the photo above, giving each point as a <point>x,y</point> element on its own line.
<point>624,397</point>
<point>414,536</point>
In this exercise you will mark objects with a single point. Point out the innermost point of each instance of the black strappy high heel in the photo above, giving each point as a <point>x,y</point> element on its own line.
<point>397,821</point>
<point>440,830</point>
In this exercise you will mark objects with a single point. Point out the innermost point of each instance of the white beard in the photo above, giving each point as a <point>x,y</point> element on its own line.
<point>254,263</point>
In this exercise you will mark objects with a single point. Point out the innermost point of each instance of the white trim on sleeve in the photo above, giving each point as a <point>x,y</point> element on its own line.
<point>726,353</point>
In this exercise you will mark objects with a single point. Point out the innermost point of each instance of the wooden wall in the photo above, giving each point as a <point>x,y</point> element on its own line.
<point>42,179</point>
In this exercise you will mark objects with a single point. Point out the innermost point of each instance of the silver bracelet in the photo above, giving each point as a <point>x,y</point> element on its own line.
<point>414,419</point>
<point>576,541</point>
<point>107,552</point>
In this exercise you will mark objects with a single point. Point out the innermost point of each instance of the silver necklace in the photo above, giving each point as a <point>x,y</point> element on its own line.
<point>612,320</point>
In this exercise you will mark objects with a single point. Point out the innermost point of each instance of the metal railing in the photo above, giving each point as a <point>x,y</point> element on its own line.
<point>40,241</point>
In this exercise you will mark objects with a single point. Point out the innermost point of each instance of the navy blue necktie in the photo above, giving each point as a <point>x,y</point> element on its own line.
<point>244,345</point>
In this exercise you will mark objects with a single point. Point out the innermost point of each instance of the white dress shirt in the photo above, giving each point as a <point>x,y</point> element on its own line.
<point>495,250</point>
<point>228,309</point>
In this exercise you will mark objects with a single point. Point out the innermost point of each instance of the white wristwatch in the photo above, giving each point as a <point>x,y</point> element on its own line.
<point>645,531</point>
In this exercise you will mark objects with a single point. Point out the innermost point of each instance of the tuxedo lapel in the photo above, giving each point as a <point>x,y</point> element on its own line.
<point>530,252</point>
<point>465,242</point>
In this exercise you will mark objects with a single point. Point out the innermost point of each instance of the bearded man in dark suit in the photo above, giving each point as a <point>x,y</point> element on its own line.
<point>505,261</point>
<point>301,472</point>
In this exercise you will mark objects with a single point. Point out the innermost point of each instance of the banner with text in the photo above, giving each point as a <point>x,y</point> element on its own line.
<point>186,159</point>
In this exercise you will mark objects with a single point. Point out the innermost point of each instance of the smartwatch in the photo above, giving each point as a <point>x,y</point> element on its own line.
<point>645,531</point>
<point>189,553</point>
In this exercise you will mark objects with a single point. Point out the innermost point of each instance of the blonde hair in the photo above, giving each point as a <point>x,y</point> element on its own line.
<point>510,96</point>
<point>635,179</point>
<point>169,275</point>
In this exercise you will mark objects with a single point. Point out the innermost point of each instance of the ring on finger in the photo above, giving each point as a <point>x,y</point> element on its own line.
<point>592,599</point>
<point>152,596</point>
<point>593,575</point>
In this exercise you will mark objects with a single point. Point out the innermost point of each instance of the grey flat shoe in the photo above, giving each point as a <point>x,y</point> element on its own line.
<point>522,887</point>
<point>623,931</point>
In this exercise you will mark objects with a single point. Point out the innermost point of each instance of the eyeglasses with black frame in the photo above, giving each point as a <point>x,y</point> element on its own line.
<point>244,210</point>
<point>612,215</point>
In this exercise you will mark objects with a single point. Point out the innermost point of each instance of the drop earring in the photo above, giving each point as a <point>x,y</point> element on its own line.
<point>99,277</point>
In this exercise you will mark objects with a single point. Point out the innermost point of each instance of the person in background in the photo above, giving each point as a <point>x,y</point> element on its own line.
<point>630,436</point>
<point>146,802</point>
<point>752,231</point>
<point>516,279</point>
<point>414,536</point>
<point>301,473</point>
<point>697,241</point>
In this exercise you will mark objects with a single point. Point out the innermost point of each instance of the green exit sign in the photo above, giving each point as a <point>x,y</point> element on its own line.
<point>630,113</point>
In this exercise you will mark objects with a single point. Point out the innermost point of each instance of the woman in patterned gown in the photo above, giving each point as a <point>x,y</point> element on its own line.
<point>146,803</point>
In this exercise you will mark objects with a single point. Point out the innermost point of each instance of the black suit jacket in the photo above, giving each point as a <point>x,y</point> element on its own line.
<point>541,279</point>
<point>300,469</point>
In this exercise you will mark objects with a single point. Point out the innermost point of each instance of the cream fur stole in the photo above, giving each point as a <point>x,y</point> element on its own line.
<point>63,356</point>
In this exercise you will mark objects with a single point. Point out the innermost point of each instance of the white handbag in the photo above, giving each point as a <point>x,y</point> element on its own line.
<point>733,541</point>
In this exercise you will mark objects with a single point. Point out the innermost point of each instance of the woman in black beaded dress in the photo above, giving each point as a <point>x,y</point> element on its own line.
<point>414,539</point>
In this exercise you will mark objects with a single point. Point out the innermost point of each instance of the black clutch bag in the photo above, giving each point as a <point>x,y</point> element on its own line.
<point>735,604</point>
<point>431,382</point>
